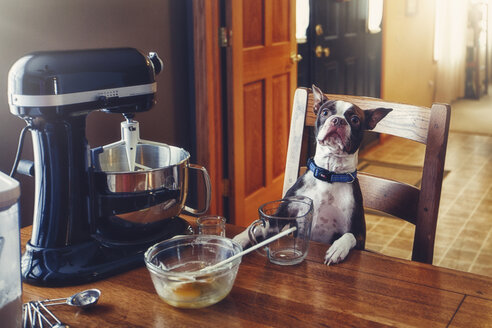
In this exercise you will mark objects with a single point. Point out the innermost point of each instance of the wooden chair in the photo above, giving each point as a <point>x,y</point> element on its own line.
<point>428,126</point>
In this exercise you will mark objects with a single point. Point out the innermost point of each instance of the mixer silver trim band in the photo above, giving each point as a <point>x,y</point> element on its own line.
<point>81,97</point>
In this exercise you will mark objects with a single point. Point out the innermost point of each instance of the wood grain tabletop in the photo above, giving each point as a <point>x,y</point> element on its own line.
<point>366,290</point>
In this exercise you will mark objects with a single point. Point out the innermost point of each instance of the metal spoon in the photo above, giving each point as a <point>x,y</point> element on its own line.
<point>81,299</point>
<point>252,248</point>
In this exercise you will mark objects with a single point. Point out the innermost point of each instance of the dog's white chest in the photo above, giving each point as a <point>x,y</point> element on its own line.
<point>333,206</point>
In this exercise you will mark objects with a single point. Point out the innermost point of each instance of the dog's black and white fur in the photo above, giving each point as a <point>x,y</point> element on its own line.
<point>338,216</point>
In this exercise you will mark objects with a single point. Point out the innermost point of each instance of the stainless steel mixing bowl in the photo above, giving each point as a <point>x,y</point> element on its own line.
<point>156,190</point>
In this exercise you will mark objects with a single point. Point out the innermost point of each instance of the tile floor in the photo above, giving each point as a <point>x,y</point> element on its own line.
<point>464,230</point>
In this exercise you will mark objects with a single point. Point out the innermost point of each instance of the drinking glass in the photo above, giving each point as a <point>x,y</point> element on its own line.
<point>277,216</point>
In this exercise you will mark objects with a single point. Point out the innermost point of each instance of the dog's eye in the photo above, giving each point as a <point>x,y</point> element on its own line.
<point>324,112</point>
<point>355,119</point>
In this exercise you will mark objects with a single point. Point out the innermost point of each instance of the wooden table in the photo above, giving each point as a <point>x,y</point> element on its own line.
<point>366,290</point>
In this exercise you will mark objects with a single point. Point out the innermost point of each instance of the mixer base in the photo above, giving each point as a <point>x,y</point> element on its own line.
<point>89,261</point>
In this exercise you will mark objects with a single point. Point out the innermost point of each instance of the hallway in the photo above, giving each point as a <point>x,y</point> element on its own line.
<point>473,116</point>
<point>464,229</point>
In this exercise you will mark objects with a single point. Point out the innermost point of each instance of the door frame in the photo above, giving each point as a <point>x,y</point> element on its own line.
<point>208,97</point>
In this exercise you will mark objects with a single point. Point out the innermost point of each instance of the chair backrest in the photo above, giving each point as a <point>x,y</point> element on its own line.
<point>429,126</point>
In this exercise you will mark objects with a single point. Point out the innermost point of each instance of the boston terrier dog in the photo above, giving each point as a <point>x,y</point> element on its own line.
<point>331,179</point>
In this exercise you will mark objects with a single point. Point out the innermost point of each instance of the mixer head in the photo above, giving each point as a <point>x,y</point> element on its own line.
<point>64,83</point>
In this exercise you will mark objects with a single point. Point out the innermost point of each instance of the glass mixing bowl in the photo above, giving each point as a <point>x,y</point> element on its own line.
<point>176,268</point>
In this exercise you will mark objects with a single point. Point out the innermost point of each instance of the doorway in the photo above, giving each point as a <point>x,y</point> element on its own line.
<point>342,52</point>
<point>343,49</point>
<point>342,56</point>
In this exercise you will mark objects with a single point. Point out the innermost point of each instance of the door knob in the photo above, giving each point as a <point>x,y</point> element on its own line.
<point>318,29</point>
<point>320,51</point>
<point>295,58</point>
<point>326,51</point>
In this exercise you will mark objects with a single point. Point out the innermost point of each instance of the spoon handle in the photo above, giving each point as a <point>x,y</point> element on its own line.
<point>54,300</point>
<point>252,248</point>
<point>50,313</point>
<point>54,303</point>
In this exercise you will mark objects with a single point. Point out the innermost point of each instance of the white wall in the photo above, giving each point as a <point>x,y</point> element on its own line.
<point>408,71</point>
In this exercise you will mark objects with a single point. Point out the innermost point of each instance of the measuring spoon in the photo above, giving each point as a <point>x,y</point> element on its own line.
<point>81,299</point>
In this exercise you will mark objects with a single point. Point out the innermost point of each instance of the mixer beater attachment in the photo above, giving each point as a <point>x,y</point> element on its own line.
<point>130,139</point>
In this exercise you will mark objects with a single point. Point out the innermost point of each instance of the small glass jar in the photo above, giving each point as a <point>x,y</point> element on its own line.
<point>211,225</point>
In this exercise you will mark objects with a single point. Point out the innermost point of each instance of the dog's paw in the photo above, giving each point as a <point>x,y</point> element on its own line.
<point>242,239</point>
<point>340,249</point>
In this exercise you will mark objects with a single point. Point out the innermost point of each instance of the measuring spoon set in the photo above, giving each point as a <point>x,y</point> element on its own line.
<point>36,313</point>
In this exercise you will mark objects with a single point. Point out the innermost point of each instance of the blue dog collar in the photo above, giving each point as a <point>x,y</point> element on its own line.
<point>328,176</point>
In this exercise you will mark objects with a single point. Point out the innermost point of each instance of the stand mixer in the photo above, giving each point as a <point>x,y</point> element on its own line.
<point>96,211</point>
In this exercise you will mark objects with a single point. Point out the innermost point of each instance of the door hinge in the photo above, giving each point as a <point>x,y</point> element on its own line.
<point>226,188</point>
<point>223,37</point>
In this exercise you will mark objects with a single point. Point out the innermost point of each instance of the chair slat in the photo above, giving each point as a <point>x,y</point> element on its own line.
<point>389,196</point>
<point>405,121</point>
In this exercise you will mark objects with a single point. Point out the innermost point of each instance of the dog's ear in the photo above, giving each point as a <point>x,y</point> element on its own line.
<point>319,98</point>
<point>373,116</point>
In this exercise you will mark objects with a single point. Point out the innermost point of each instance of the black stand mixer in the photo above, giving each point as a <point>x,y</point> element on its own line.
<point>97,210</point>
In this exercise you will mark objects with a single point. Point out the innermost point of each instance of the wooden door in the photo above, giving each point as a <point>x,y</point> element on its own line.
<point>345,57</point>
<point>261,79</point>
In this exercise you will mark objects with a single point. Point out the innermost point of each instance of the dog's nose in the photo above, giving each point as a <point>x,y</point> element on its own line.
<point>337,121</point>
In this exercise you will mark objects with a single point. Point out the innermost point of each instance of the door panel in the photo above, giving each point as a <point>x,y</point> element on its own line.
<point>350,75</point>
<point>352,63</point>
<point>280,122</point>
<point>253,18</point>
<point>329,9</point>
<point>261,81</point>
<point>351,18</point>
<point>327,75</point>
<point>254,96</point>
<point>281,28</point>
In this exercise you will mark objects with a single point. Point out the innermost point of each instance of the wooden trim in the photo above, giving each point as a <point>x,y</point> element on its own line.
<point>234,60</point>
<point>208,107</point>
